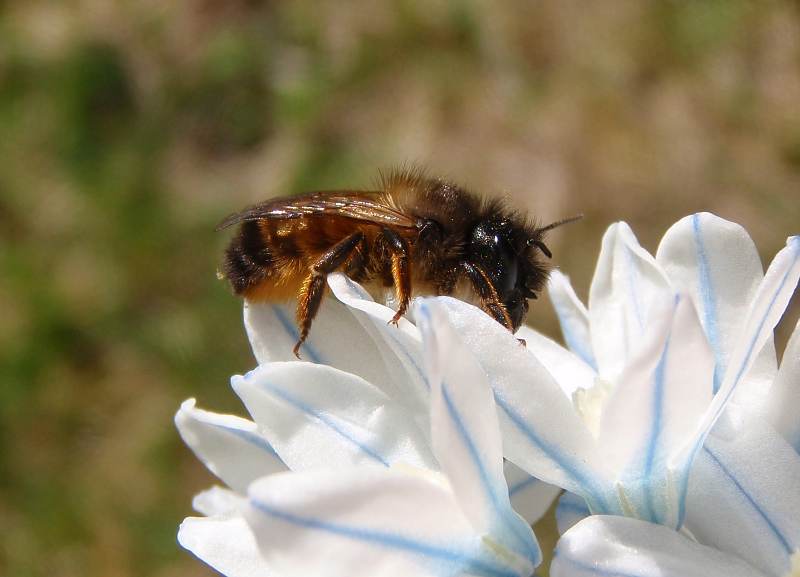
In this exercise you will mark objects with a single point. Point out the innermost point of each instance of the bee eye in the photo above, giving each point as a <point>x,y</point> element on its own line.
<point>491,249</point>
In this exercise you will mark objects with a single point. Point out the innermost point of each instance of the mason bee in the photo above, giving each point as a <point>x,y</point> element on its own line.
<point>421,235</point>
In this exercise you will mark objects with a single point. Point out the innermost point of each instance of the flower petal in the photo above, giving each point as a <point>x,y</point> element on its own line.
<point>336,339</point>
<point>224,542</point>
<point>784,397</point>
<point>569,371</point>
<point>654,412</point>
<point>744,494</point>
<point>626,284</point>
<point>541,432</point>
<point>766,310</point>
<point>571,509</point>
<point>466,435</point>
<point>231,447</point>
<point>573,317</point>
<point>530,497</point>
<point>717,264</point>
<point>217,501</point>
<point>400,346</point>
<point>624,547</point>
<point>320,417</point>
<point>368,521</point>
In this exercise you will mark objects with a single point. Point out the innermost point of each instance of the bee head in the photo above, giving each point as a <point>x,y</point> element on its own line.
<point>510,255</point>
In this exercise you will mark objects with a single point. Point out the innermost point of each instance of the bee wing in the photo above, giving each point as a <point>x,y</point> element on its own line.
<point>358,205</point>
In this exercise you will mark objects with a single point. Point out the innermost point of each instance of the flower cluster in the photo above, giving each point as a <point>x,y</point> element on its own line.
<point>666,427</point>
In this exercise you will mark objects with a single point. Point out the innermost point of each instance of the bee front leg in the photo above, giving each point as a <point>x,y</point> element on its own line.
<point>313,288</point>
<point>490,300</point>
<point>401,270</point>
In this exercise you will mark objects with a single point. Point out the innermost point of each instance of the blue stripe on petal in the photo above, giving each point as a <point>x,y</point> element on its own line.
<point>656,425</point>
<point>575,343</point>
<point>570,510</point>
<point>794,441</point>
<point>708,297</point>
<point>503,509</point>
<point>752,502</point>
<point>409,358</point>
<point>683,485</point>
<point>290,328</point>
<point>795,244</point>
<point>452,557</point>
<point>249,437</point>
<point>407,354</point>
<point>633,286</point>
<point>571,467</point>
<point>573,506</point>
<point>364,296</point>
<point>326,420</point>
<point>522,485</point>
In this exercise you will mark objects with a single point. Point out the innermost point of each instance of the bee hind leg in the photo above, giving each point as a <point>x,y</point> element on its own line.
<point>313,288</point>
<point>401,271</point>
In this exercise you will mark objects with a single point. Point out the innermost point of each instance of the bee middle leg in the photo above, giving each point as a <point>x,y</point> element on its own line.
<point>313,287</point>
<point>490,300</point>
<point>401,270</point>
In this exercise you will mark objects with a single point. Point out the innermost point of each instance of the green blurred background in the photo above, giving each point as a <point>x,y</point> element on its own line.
<point>128,129</point>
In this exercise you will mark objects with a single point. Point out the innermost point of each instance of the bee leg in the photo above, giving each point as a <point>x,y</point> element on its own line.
<point>401,270</point>
<point>490,300</point>
<point>313,288</point>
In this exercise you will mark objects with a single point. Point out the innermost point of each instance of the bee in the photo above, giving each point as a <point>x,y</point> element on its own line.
<point>417,234</point>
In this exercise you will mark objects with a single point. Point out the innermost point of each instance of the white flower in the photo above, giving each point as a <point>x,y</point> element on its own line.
<point>742,516</point>
<point>234,450</point>
<point>606,545</point>
<point>310,417</point>
<point>716,264</point>
<point>649,376</point>
<point>780,407</point>
<point>618,422</point>
<point>742,509</point>
<point>326,425</point>
<point>403,520</point>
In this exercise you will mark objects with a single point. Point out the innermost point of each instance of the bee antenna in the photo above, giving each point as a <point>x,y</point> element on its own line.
<point>558,223</point>
<point>541,246</point>
<point>538,243</point>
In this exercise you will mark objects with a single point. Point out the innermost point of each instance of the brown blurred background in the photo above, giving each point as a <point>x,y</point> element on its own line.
<point>128,129</point>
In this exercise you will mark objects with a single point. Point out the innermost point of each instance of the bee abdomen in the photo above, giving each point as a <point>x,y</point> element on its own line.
<point>248,259</point>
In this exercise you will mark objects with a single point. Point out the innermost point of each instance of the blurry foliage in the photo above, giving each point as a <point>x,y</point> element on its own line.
<point>129,129</point>
<point>228,104</point>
